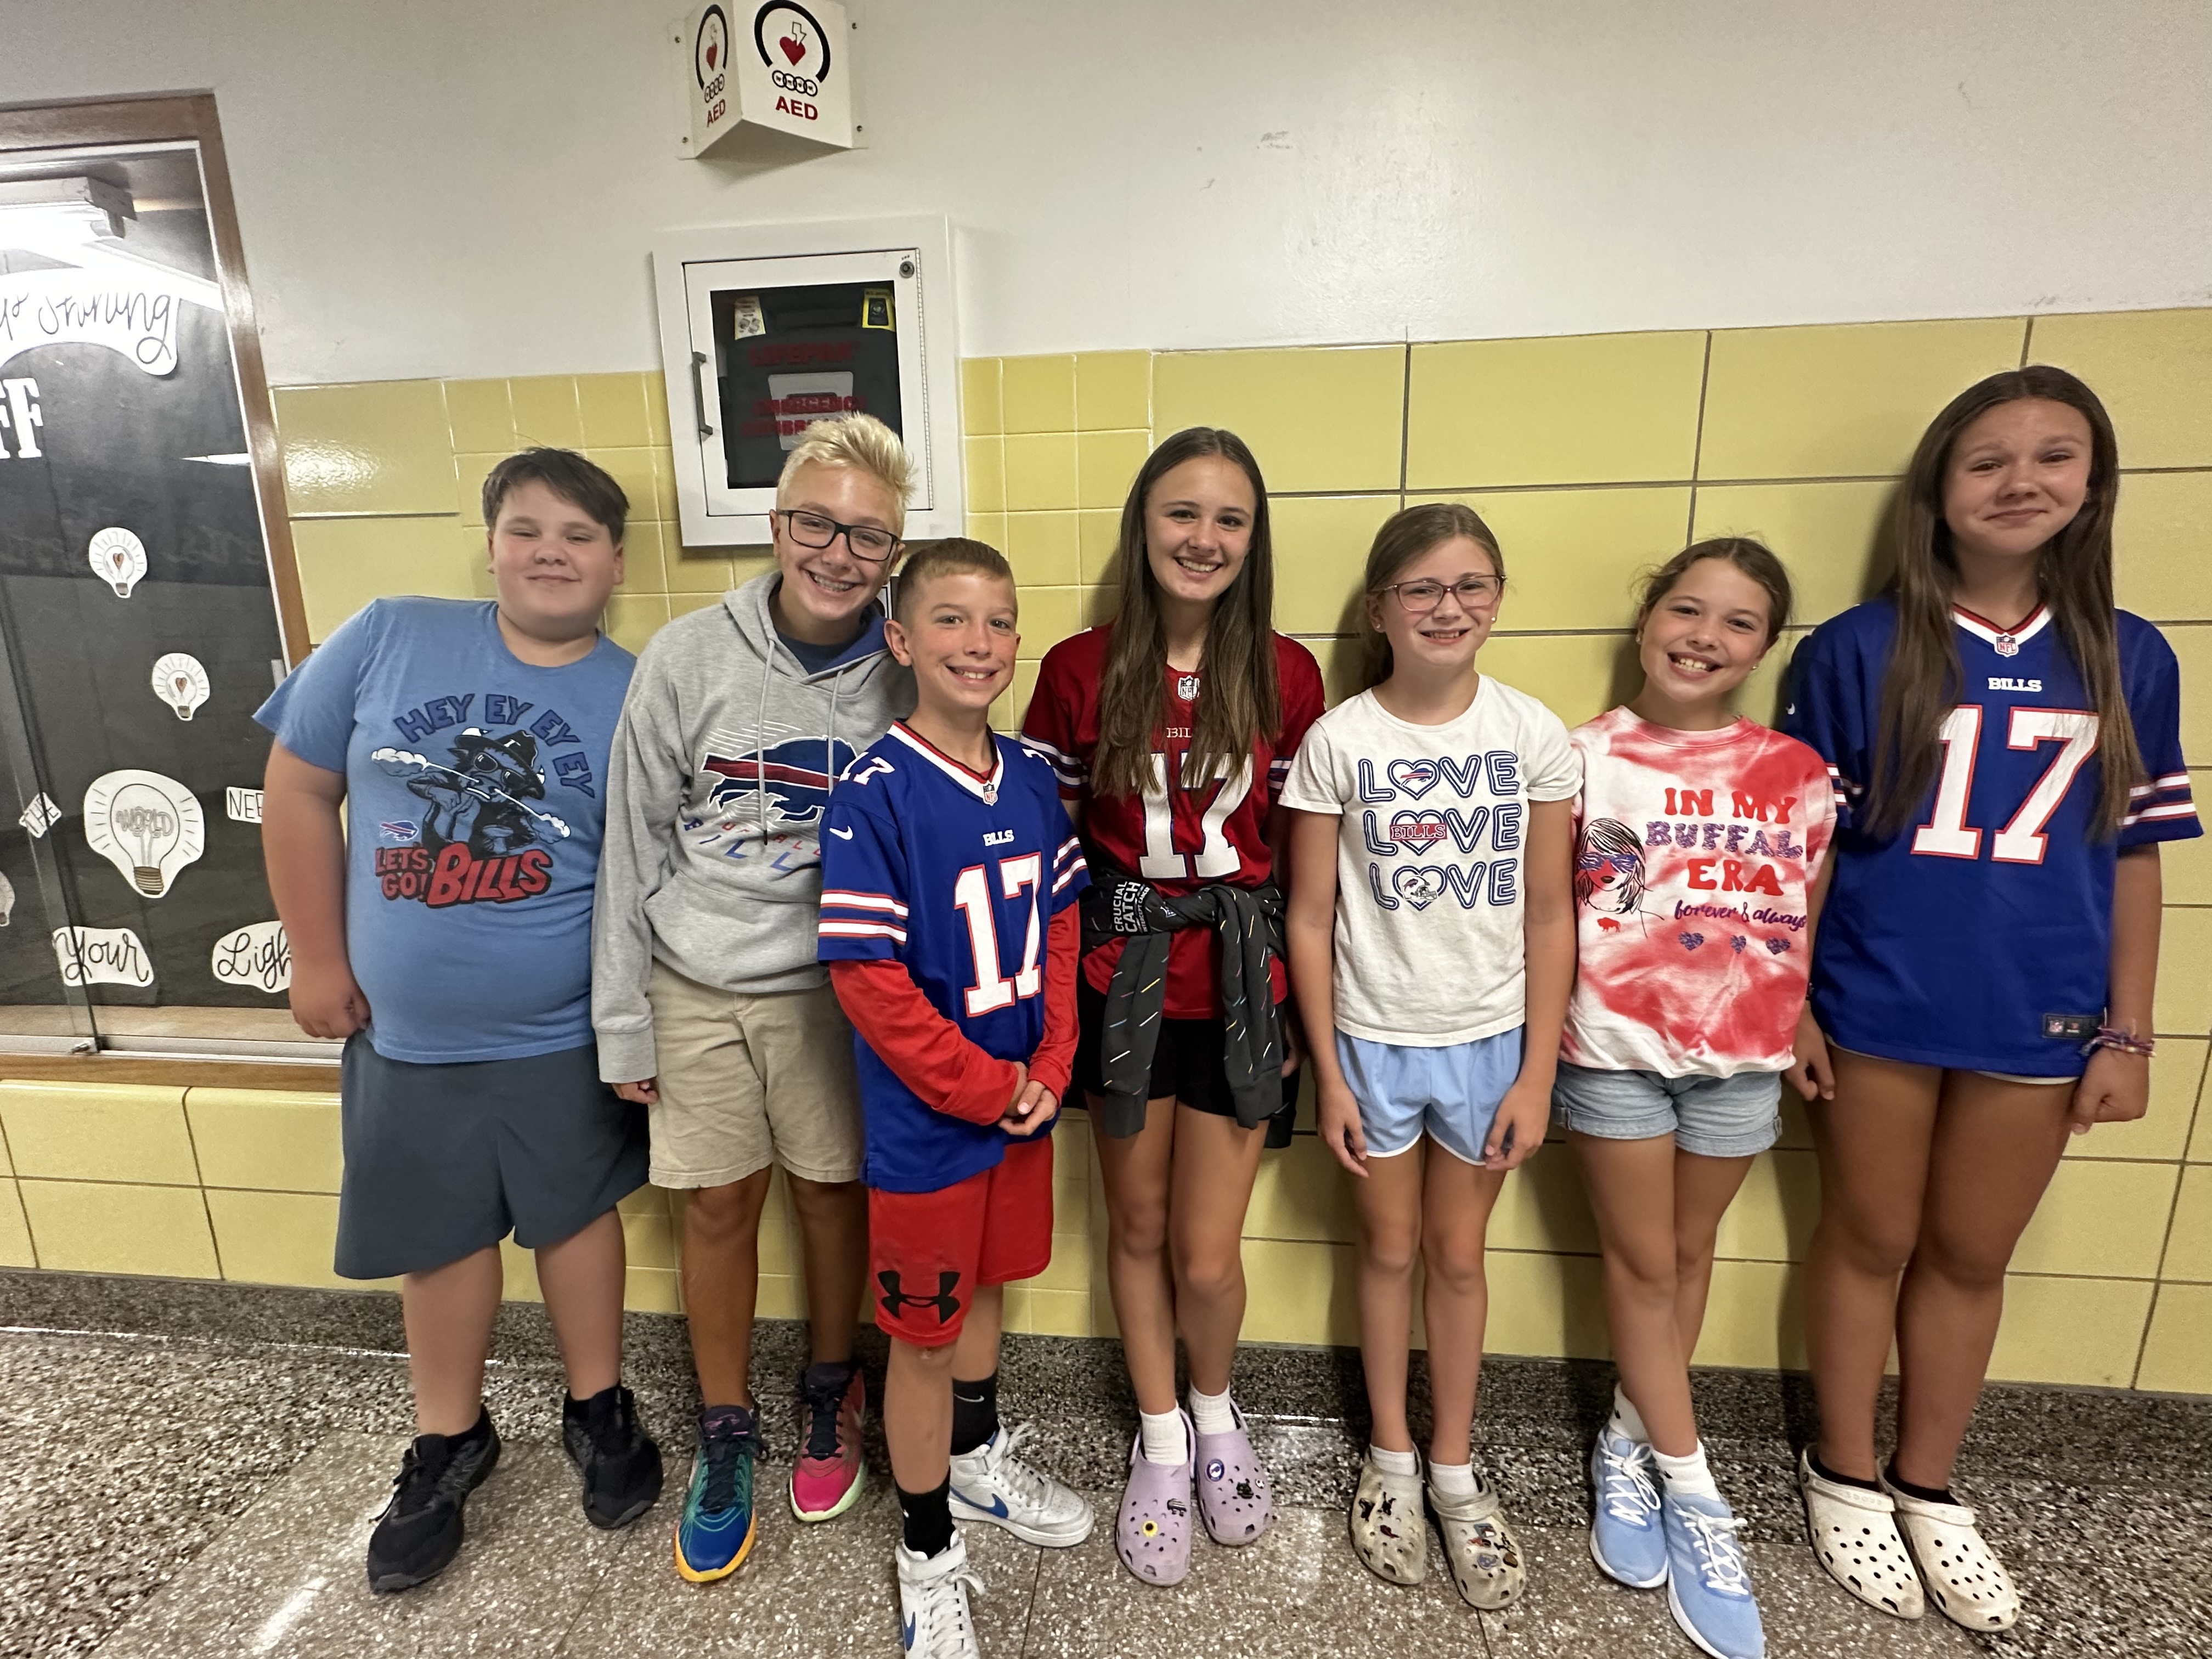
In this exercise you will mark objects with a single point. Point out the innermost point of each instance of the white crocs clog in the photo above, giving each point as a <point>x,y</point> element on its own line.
<point>1854,1532</point>
<point>1388,1531</point>
<point>1970,1587</point>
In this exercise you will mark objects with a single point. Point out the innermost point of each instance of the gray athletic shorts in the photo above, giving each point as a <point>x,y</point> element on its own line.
<point>441,1161</point>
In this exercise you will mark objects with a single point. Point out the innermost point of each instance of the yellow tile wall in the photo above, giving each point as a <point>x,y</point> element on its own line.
<point>1593,458</point>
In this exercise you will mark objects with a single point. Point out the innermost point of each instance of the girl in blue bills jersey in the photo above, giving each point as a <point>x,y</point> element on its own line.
<point>2007,750</point>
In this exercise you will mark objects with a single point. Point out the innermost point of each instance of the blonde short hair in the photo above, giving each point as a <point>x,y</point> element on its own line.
<point>854,440</point>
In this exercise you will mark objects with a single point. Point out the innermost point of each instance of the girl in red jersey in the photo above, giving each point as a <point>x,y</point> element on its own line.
<point>1171,729</point>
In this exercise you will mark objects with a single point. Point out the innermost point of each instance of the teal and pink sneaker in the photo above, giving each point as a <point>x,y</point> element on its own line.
<point>716,1530</point>
<point>826,1480</point>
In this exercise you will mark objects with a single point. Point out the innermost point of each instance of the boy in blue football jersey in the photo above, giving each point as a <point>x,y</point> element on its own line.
<point>950,874</point>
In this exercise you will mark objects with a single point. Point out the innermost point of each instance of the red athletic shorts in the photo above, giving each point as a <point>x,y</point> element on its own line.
<point>926,1251</point>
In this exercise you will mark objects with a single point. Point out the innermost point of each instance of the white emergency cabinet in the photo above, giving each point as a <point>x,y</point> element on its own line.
<point>766,328</point>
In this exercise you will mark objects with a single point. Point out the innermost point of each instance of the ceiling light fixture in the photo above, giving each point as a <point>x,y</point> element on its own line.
<point>80,222</point>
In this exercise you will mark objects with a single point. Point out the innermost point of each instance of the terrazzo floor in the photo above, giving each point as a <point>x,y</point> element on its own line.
<point>192,1470</point>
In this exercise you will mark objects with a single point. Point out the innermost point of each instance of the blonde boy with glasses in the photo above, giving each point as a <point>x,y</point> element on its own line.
<point>710,1008</point>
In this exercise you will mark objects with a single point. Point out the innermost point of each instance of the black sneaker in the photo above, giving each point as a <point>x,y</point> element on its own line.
<point>620,1464</point>
<point>420,1529</point>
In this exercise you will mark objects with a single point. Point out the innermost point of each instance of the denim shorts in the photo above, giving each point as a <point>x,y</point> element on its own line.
<point>1450,1093</point>
<point>1712,1116</point>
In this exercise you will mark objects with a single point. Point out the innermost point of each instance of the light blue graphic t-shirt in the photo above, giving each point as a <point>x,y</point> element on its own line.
<point>476,792</point>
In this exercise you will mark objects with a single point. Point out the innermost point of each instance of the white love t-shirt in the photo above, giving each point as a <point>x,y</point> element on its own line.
<point>1429,945</point>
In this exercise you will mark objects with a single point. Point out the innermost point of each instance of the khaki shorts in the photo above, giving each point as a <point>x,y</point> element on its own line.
<point>747,1081</point>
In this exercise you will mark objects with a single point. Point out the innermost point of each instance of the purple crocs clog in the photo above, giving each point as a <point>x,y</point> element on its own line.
<point>1233,1487</point>
<point>1152,1536</point>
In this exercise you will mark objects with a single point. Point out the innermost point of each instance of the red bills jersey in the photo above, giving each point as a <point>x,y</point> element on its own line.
<point>1178,839</point>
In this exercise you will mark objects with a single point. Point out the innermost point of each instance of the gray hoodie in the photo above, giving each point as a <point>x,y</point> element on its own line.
<point>716,788</point>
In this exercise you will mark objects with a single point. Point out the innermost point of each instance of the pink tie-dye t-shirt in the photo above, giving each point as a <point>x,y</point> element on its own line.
<point>1694,851</point>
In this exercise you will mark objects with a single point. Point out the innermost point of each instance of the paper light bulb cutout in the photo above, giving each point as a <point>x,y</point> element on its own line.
<point>117,558</point>
<point>181,683</point>
<point>148,826</point>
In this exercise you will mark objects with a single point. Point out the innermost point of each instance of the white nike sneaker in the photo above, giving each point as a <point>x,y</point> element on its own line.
<point>934,1622</point>
<point>1970,1584</point>
<point>991,1484</point>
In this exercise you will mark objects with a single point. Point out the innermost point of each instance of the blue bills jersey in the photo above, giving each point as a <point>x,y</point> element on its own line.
<point>1980,937</point>
<point>957,877</point>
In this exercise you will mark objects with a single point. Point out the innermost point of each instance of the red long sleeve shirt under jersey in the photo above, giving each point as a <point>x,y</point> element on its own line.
<point>928,1052</point>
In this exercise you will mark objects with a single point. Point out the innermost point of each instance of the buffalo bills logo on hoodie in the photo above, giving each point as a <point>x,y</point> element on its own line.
<point>793,777</point>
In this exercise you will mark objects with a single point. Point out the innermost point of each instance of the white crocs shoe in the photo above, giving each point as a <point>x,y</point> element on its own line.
<point>1970,1584</point>
<point>1854,1532</point>
<point>1487,1564</point>
<point>1389,1532</point>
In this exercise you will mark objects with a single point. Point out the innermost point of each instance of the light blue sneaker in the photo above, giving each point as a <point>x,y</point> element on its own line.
<point>1626,1539</point>
<point>1708,1588</point>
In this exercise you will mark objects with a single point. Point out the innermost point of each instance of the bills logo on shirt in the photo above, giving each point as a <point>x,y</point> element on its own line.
<point>792,779</point>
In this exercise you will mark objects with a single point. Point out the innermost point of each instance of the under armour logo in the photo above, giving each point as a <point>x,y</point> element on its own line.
<point>945,1302</point>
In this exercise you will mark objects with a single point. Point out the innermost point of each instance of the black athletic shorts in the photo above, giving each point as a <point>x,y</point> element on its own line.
<point>442,1160</point>
<point>1187,1064</point>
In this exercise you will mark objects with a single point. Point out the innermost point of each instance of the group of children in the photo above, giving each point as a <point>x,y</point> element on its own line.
<point>842,925</point>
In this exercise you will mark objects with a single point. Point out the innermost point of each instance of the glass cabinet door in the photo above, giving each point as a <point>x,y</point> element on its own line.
<point>137,618</point>
<point>779,343</point>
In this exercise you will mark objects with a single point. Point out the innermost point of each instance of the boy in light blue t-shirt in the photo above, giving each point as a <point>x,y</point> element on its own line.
<point>445,936</point>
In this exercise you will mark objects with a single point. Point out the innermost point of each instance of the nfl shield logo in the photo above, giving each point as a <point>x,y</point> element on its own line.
<point>1186,688</point>
<point>2007,646</point>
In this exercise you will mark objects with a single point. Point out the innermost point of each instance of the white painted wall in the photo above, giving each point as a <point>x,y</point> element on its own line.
<point>465,187</point>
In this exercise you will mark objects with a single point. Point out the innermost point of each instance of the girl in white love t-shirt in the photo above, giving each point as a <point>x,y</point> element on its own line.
<point>1432,939</point>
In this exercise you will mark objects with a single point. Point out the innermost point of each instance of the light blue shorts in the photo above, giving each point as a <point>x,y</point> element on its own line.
<point>1450,1093</point>
<point>1712,1116</point>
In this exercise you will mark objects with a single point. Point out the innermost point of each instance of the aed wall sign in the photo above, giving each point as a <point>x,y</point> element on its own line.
<point>784,66</point>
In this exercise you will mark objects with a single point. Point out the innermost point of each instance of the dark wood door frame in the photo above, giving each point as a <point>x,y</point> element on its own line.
<point>166,118</point>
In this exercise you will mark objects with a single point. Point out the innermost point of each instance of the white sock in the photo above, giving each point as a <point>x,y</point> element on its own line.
<point>1627,1422</point>
<point>1689,1477</point>
<point>1163,1437</point>
<point>1212,1413</point>
<point>1454,1480</point>
<point>1390,1463</point>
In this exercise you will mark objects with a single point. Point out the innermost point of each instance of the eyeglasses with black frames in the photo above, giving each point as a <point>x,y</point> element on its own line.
<point>1473,593</point>
<point>869,544</point>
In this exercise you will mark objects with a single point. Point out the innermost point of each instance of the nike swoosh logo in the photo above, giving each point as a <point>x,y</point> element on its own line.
<point>906,1639</point>
<point>842,835</point>
<point>997,1506</point>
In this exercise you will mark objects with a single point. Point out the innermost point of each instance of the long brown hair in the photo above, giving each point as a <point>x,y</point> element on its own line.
<point>1405,536</point>
<point>1240,694</point>
<point>2073,571</point>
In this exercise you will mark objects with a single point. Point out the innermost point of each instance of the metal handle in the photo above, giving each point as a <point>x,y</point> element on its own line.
<point>699,394</point>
